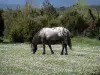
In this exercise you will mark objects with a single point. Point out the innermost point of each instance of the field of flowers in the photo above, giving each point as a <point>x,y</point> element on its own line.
<point>84,59</point>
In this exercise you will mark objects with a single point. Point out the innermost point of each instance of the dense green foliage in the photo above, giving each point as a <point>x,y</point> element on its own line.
<point>21,24</point>
<point>73,21</point>
<point>1,23</point>
<point>1,26</point>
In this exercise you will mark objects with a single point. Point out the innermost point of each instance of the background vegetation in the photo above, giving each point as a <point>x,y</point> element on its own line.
<point>20,24</point>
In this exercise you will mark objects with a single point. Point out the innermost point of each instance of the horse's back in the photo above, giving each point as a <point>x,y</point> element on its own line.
<point>53,33</point>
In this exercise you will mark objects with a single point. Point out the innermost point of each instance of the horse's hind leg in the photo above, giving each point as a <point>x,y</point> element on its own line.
<point>51,49</point>
<point>65,45</point>
<point>62,49</point>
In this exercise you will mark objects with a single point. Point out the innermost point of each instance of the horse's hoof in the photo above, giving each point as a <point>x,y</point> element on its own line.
<point>61,53</point>
<point>52,53</point>
<point>43,53</point>
<point>66,53</point>
<point>33,53</point>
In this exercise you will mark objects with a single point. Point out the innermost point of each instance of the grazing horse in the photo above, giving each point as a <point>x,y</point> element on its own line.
<point>52,36</point>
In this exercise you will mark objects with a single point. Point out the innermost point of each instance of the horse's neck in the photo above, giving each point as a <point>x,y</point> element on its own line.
<point>35,39</point>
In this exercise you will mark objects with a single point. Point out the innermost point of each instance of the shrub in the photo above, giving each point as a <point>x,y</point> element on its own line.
<point>74,22</point>
<point>93,33</point>
<point>1,39</point>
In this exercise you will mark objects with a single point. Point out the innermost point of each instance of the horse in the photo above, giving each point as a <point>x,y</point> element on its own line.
<point>51,36</point>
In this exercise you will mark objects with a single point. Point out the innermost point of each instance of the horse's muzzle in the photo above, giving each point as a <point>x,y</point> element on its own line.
<point>33,51</point>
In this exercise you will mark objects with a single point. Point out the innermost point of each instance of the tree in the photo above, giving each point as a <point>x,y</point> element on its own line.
<point>1,23</point>
<point>22,23</point>
<point>49,10</point>
<point>82,2</point>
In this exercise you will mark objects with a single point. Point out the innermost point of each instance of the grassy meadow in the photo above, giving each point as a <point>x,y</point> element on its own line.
<point>84,59</point>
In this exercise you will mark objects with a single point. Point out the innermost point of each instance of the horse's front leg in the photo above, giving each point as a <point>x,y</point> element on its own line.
<point>43,42</point>
<point>43,48</point>
<point>65,45</point>
<point>62,49</point>
<point>50,48</point>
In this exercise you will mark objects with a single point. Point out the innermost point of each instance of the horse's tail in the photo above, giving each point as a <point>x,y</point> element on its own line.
<point>69,40</point>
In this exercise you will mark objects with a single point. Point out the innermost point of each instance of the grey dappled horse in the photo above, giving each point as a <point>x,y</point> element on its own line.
<point>52,36</point>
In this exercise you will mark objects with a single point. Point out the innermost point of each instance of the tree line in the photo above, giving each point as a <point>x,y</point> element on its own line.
<point>21,24</point>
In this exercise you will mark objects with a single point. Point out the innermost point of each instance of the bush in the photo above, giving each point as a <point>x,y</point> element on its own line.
<point>54,23</point>
<point>1,39</point>
<point>23,23</point>
<point>93,33</point>
<point>1,23</point>
<point>74,22</point>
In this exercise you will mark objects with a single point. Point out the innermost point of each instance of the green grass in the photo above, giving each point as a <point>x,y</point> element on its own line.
<point>84,59</point>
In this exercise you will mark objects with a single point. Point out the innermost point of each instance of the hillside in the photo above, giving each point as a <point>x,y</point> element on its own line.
<point>96,7</point>
<point>63,9</point>
<point>13,6</point>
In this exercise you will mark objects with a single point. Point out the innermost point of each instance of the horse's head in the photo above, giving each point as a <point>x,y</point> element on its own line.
<point>34,43</point>
<point>34,47</point>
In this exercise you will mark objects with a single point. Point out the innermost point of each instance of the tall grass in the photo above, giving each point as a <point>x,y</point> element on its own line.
<point>84,59</point>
